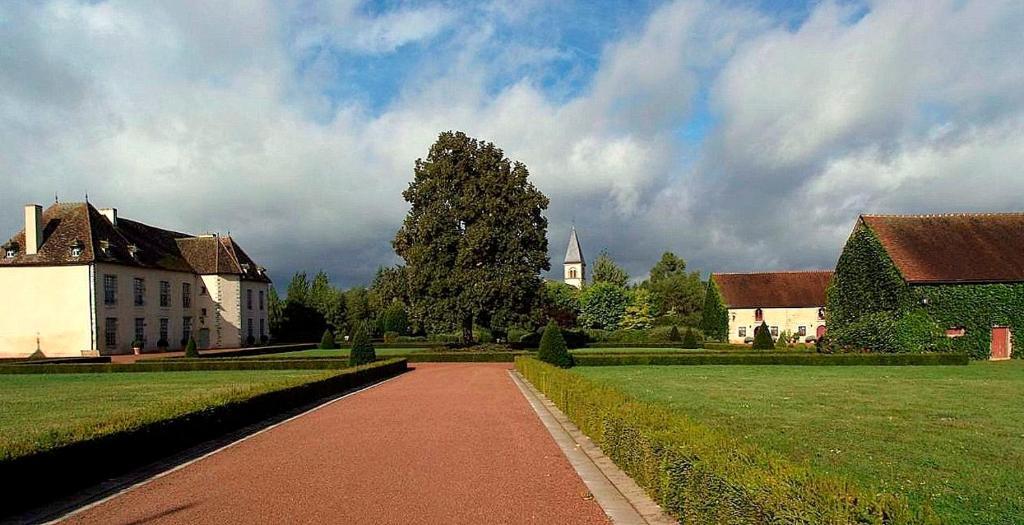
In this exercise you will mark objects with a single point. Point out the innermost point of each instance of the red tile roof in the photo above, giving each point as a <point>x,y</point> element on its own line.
<point>954,248</point>
<point>65,224</point>
<point>773,289</point>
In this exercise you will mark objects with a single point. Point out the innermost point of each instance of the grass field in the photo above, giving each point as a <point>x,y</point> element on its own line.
<point>42,411</point>
<point>951,437</point>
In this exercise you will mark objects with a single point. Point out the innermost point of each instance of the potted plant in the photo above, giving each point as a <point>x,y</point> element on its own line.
<point>250,341</point>
<point>162,345</point>
<point>137,345</point>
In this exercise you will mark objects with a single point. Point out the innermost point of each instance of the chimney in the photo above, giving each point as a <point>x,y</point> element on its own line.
<point>33,228</point>
<point>110,214</point>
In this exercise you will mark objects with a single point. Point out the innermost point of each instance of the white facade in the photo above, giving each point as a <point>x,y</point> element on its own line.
<point>808,322</point>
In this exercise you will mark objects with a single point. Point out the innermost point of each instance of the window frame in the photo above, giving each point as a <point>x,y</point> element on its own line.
<point>109,289</point>
<point>139,326</point>
<point>165,294</point>
<point>139,291</point>
<point>186,295</point>
<point>165,329</point>
<point>110,332</point>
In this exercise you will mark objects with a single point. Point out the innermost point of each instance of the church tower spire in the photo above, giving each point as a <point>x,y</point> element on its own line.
<point>575,265</point>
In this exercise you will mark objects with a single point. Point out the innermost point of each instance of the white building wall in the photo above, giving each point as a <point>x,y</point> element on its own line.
<point>575,274</point>
<point>48,302</point>
<point>742,321</point>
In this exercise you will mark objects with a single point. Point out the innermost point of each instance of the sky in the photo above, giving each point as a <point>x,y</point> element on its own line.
<point>741,135</point>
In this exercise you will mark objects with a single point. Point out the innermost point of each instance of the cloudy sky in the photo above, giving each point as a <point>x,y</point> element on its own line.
<point>743,135</point>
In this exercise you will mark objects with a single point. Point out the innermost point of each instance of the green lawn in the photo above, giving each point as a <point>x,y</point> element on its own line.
<point>949,436</point>
<point>316,352</point>
<point>41,411</point>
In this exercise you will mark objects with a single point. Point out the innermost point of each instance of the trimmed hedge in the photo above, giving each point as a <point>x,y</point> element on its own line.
<point>634,345</point>
<point>180,365</point>
<point>68,468</point>
<point>464,357</point>
<point>258,350</point>
<point>773,358</point>
<point>701,475</point>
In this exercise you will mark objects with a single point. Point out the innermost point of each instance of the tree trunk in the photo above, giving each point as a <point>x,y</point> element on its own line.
<point>467,330</point>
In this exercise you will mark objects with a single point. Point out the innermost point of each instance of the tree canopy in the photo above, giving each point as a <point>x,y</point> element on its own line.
<point>475,239</point>
<point>606,271</point>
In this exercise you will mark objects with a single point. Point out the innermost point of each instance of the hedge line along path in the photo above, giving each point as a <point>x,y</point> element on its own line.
<point>445,443</point>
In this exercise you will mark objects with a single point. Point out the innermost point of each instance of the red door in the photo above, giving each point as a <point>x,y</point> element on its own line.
<point>1000,342</point>
<point>821,331</point>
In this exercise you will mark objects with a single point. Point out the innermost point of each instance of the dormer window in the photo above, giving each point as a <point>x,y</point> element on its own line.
<point>133,250</point>
<point>77,248</point>
<point>245,267</point>
<point>10,250</point>
<point>105,247</point>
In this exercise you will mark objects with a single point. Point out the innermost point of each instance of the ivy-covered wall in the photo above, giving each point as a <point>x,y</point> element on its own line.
<point>977,308</point>
<point>867,281</point>
<point>715,316</point>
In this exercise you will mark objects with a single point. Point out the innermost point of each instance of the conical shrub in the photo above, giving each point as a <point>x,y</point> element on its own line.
<point>191,350</point>
<point>327,341</point>
<point>763,338</point>
<point>673,334</point>
<point>553,348</point>
<point>362,348</point>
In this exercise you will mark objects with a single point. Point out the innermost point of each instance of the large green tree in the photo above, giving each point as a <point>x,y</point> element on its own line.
<point>715,314</point>
<point>602,305</point>
<point>606,271</point>
<point>327,300</point>
<point>475,239</point>
<point>560,303</point>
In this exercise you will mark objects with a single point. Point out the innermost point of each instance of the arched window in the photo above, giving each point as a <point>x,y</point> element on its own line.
<point>572,273</point>
<point>759,315</point>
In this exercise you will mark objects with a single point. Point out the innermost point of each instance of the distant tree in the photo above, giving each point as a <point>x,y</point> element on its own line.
<point>553,348</point>
<point>715,315</point>
<point>690,339</point>
<point>396,319</point>
<point>475,239</point>
<point>362,349</point>
<point>676,292</point>
<point>606,271</point>
<point>301,323</point>
<point>640,311</point>
<point>191,350</point>
<point>602,305</point>
<point>275,312</point>
<point>327,300</point>
<point>357,304</point>
<point>327,341</point>
<point>673,334</point>
<point>389,286</point>
<point>763,338</point>
<point>298,288</point>
<point>560,303</point>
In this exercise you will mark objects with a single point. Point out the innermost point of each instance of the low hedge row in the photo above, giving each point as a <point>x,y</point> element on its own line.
<point>774,358</point>
<point>259,350</point>
<point>464,357</point>
<point>701,475</point>
<point>634,345</point>
<point>180,365</point>
<point>55,472</point>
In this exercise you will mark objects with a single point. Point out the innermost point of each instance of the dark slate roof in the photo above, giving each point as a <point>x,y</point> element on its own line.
<point>773,289</point>
<point>953,248</point>
<point>573,254</point>
<point>130,243</point>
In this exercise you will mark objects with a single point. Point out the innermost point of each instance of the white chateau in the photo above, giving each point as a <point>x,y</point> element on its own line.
<point>81,281</point>
<point>575,266</point>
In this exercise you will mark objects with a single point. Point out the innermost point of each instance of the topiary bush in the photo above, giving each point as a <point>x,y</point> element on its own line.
<point>191,350</point>
<point>673,335</point>
<point>690,339</point>
<point>327,341</point>
<point>250,341</point>
<point>553,348</point>
<point>362,349</point>
<point>763,338</point>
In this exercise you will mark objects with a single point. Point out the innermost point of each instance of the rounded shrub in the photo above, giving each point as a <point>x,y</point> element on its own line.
<point>690,339</point>
<point>553,348</point>
<point>327,341</point>
<point>362,349</point>
<point>191,350</point>
<point>763,338</point>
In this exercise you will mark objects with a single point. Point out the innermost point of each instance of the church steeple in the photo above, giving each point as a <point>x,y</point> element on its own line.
<point>575,265</point>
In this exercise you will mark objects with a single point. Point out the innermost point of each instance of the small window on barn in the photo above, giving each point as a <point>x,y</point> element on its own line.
<point>775,331</point>
<point>759,315</point>
<point>801,331</point>
<point>956,331</point>
<point>742,331</point>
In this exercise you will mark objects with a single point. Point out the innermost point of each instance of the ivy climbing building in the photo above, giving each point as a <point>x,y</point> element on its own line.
<point>960,276</point>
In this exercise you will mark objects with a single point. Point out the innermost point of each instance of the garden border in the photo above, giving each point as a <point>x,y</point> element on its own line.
<point>797,359</point>
<point>56,472</point>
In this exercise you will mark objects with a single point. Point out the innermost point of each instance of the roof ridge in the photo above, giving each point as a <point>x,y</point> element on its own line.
<point>772,272</point>
<point>950,214</point>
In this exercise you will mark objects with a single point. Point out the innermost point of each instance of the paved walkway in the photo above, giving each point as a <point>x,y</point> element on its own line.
<point>452,443</point>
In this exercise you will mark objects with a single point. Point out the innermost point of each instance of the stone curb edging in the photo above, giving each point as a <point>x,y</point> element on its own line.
<point>620,497</point>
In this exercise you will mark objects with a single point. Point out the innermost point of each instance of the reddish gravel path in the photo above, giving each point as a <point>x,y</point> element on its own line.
<point>445,444</point>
